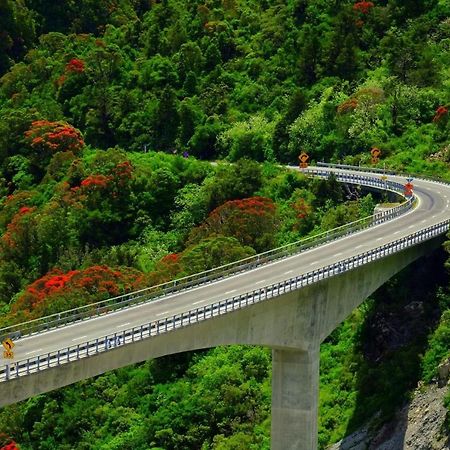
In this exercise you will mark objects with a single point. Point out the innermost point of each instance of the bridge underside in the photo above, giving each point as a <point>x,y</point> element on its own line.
<point>293,325</point>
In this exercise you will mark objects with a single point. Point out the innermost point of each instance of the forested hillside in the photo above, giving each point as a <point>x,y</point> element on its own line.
<point>111,112</point>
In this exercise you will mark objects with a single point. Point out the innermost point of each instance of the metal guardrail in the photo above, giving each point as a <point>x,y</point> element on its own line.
<point>166,325</point>
<point>384,171</point>
<point>155,292</point>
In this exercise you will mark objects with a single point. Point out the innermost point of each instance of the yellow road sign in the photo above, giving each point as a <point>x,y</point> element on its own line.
<point>8,344</point>
<point>8,354</point>
<point>375,152</point>
<point>303,157</point>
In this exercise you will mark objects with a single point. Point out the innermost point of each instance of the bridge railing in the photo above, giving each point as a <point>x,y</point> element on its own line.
<point>111,341</point>
<point>172,287</point>
<point>384,171</point>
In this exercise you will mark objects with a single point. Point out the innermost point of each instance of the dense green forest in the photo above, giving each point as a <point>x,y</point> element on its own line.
<point>111,112</point>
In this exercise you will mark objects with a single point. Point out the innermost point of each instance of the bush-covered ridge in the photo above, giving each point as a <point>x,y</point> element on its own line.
<point>92,89</point>
<point>240,78</point>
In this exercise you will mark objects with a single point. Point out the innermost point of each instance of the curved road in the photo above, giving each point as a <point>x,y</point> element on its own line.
<point>433,207</point>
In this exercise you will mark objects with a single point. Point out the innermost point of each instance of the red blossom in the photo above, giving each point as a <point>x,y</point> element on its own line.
<point>54,136</point>
<point>440,112</point>
<point>363,7</point>
<point>247,220</point>
<point>26,210</point>
<point>100,181</point>
<point>75,65</point>
<point>17,228</point>
<point>7,443</point>
<point>86,284</point>
<point>123,171</point>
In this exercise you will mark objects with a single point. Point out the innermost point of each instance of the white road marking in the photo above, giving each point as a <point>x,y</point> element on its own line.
<point>196,303</point>
<point>315,262</point>
<point>337,254</point>
<point>411,226</point>
<point>161,314</point>
<point>260,281</point>
<point>230,292</point>
<point>288,272</point>
<point>78,338</point>
<point>34,351</point>
<point>380,239</point>
<point>123,325</point>
<point>359,246</point>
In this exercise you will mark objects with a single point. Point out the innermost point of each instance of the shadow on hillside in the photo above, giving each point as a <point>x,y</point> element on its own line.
<point>392,340</point>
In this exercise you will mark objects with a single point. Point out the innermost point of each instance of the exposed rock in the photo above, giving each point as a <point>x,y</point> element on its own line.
<point>417,426</point>
<point>444,372</point>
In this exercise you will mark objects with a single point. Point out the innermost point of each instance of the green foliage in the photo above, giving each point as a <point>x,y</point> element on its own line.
<point>18,32</point>
<point>221,397</point>
<point>438,348</point>
<point>231,79</point>
<point>214,252</point>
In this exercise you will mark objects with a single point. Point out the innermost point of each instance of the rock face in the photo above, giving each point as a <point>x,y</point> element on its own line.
<point>444,372</point>
<point>417,426</point>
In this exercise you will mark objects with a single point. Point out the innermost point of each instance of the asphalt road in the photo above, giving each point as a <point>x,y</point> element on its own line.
<point>433,207</point>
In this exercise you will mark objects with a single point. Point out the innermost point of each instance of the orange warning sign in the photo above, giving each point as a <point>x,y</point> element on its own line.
<point>408,189</point>
<point>8,354</point>
<point>303,157</point>
<point>375,152</point>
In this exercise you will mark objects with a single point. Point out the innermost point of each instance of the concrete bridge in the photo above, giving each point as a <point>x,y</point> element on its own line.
<point>290,304</point>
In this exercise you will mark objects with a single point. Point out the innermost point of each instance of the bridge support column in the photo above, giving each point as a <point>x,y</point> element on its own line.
<point>295,396</point>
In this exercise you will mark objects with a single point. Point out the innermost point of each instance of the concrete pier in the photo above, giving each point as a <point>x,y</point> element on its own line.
<point>295,399</point>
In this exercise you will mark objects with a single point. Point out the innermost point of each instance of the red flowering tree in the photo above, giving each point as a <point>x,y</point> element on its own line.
<point>102,201</point>
<point>441,112</point>
<point>167,268</point>
<point>115,180</point>
<point>6,443</point>
<point>19,241</point>
<point>252,221</point>
<point>75,65</point>
<point>93,182</point>
<point>51,137</point>
<point>48,138</point>
<point>58,291</point>
<point>12,205</point>
<point>363,7</point>
<point>108,191</point>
